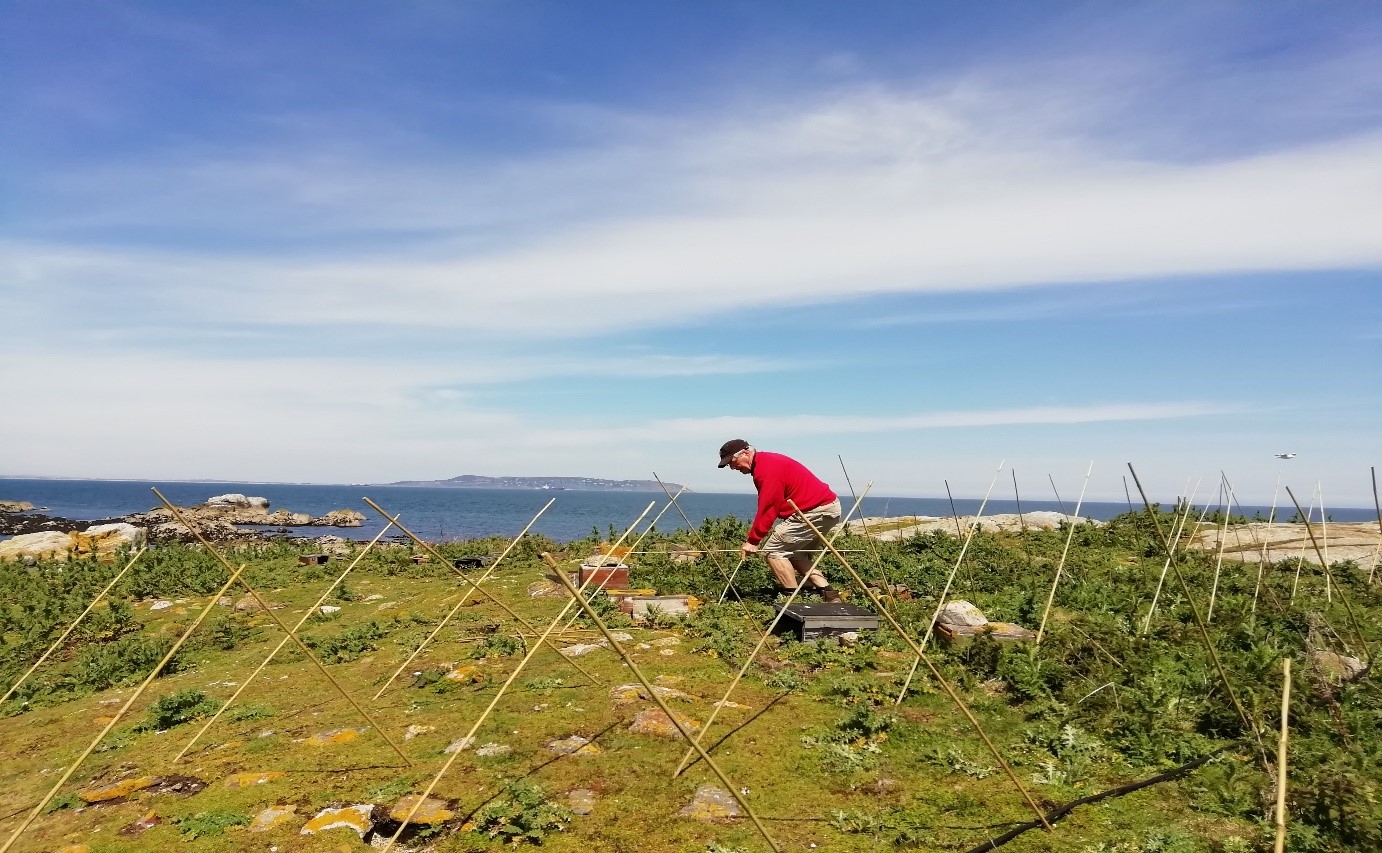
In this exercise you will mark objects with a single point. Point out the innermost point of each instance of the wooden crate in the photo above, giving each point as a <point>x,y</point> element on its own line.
<point>959,635</point>
<point>813,620</point>
<point>609,578</point>
<point>313,559</point>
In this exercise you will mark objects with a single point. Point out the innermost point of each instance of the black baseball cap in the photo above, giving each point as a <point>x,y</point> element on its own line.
<point>729,448</point>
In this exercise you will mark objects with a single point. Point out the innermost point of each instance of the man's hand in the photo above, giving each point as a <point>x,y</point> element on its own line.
<point>748,548</point>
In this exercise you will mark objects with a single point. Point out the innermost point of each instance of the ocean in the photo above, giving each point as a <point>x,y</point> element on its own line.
<point>446,514</point>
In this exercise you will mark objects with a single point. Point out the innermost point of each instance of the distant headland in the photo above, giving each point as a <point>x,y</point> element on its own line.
<point>573,484</point>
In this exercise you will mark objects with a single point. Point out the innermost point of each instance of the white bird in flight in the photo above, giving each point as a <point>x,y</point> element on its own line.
<point>1285,455</point>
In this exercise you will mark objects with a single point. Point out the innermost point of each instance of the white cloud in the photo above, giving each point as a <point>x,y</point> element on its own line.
<point>868,194</point>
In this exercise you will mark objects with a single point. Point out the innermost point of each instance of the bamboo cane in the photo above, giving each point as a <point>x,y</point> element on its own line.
<point>1281,756</point>
<point>1199,623</point>
<point>1324,534</point>
<point>863,520</point>
<point>686,758</point>
<point>1300,557</point>
<point>57,644</point>
<point>486,593</point>
<point>732,575</point>
<point>1127,494</point>
<point>700,542</point>
<point>964,548</point>
<point>1057,491</point>
<point>1069,537</point>
<point>303,621</point>
<point>1178,525</point>
<point>465,596</point>
<point>1226,507</point>
<point>1022,522</point>
<point>954,513</point>
<point>263,605</point>
<point>72,767</point>
<point>494,701</point>
<point>921,655</point>
<point>1378,507</point>
<point>733,789</point>
<point>1348,608</point>
<point>1266,546</point>
<point>600,587</point>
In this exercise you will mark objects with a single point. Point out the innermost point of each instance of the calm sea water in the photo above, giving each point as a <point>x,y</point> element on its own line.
<point>442,514</point>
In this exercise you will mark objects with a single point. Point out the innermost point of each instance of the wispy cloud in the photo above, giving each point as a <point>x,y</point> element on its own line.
<point>869,195</point>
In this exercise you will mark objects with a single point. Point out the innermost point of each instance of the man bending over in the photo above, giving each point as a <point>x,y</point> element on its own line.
<point>790,546</point>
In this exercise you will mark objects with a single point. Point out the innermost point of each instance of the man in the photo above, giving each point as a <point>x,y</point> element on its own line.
<point>788,549</point>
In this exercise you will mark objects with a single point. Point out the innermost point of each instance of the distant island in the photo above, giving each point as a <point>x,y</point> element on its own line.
<point>572,484</point>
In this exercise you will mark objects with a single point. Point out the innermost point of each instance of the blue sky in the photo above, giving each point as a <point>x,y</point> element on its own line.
<point>350,242</point>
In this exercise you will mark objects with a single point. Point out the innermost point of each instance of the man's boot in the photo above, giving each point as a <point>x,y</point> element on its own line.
<point>829,594</point>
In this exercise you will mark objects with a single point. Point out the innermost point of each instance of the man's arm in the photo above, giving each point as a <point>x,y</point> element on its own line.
<point>771,496</point>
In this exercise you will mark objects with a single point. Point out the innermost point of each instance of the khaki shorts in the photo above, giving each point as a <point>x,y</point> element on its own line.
<point>792,536</point>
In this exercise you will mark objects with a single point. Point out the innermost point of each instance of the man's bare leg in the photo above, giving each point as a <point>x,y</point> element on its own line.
<point>801,564</point>
<point>783,571</point>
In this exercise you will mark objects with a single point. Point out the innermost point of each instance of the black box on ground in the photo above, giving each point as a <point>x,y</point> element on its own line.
<point>813,620</point>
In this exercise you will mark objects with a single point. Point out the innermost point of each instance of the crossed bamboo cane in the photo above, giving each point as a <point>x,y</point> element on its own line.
<point>119,715</point>
<point>696,744</point>
<point>940,603</point>
<point>464,598</point>
<point>57,644</point>
<point>292,635</point>
<point>298,627</point>
<point>921,656</point>
<point>482,591</point>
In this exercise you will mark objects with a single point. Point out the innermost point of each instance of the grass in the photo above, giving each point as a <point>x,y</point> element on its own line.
<point>825,755</point>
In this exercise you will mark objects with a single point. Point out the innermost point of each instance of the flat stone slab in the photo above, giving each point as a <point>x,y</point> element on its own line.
<point>628,694</point>
<point>335,737</point>
<point>118,790</point>
<point>652,721</point>
<point>273,817</point>
<point>459,744</point>
<point>581,649</point>
<point>574,745</point>
<point>430,811</point>
<point>711,803</point>
<point>357,818</point>
<point>490,750</point>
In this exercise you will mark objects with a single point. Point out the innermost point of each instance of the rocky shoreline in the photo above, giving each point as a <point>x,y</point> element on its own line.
<point>36,535</point>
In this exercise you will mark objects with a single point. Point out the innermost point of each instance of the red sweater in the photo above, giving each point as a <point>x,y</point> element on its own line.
<point>778,479</point>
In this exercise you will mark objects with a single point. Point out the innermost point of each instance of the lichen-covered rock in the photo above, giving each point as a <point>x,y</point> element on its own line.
<point>711,803</point>
<point>335,737</point>
<point>273,817</point>
<point>652,721</point>
<point>962,614</point>
<point>546,589</point>
<point>118,790</point>
<point>358,818</point>
<point>579,649</point>
<point>574,745</point>
<point>249,780</point>
<point>490,750</point>
<point>413,731</point>
<point>459,744</point>
<point>341,518</point>
<point>428,811</point>
<point>627,694</point>
<point>100,541</point>
<point>1335,666</point>
<point>467,674</point>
